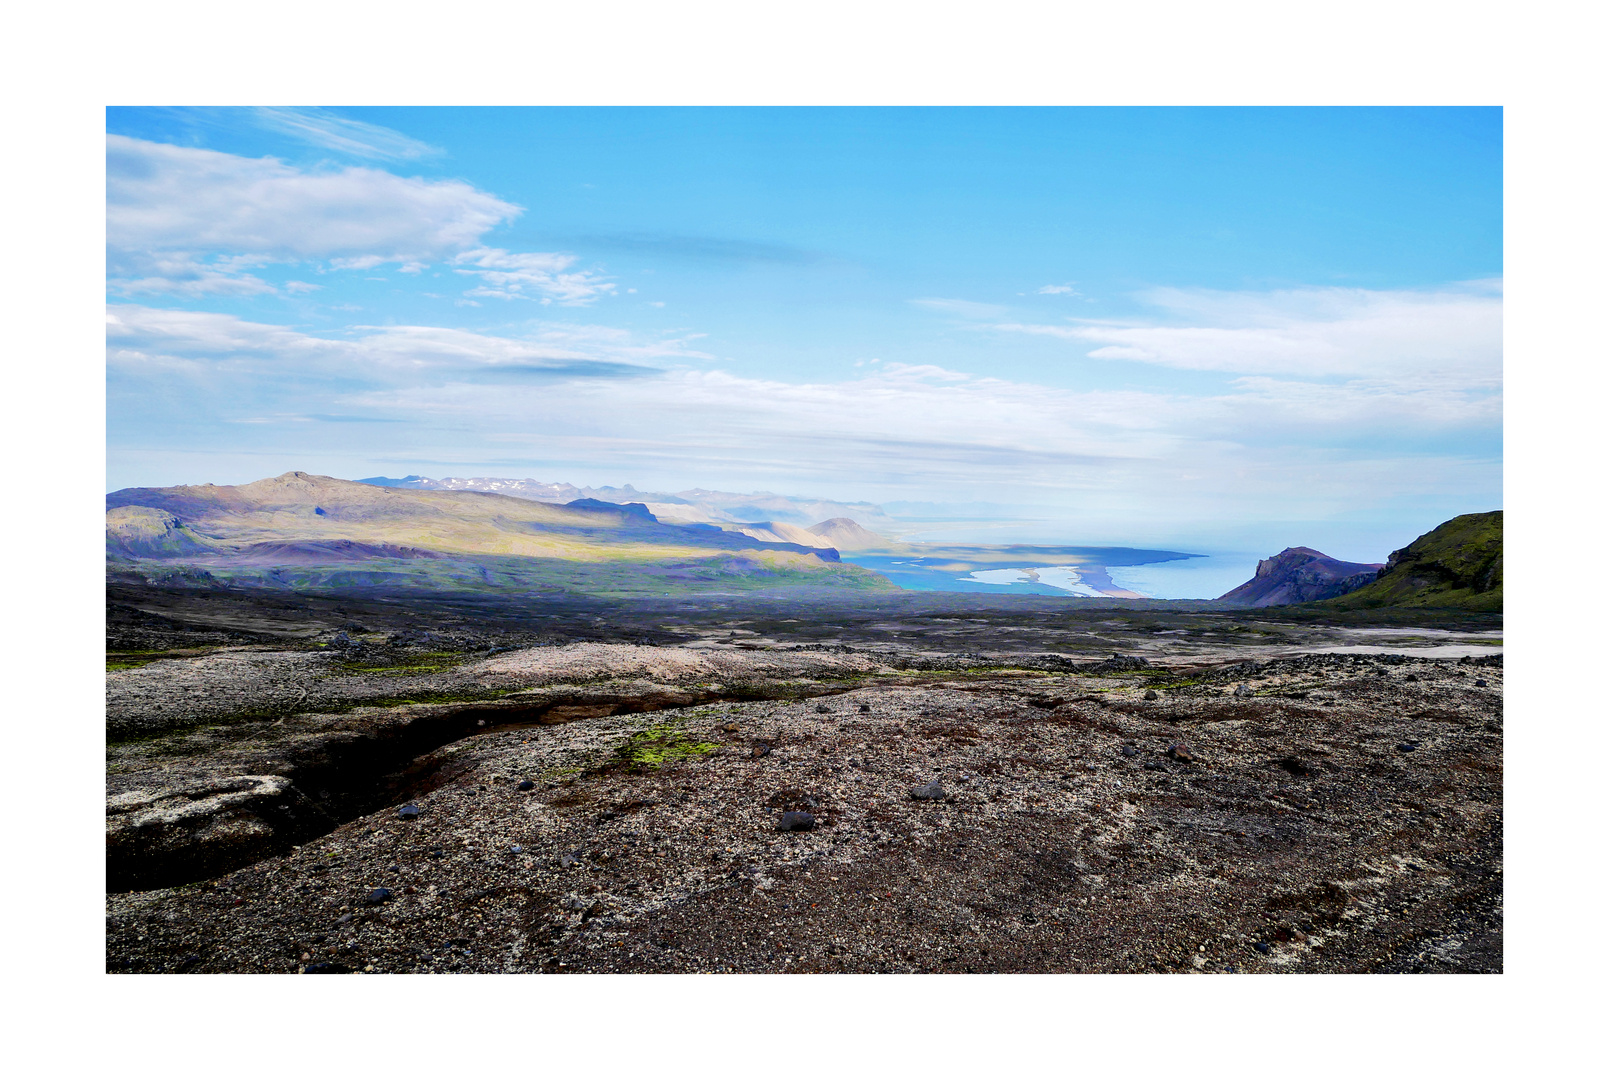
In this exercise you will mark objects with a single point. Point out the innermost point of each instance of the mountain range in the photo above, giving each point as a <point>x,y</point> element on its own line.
<point>693,505</point>
<point>300,530</point>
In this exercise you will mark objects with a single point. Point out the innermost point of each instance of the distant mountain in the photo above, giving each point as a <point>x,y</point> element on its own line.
<point>301,530</point>
<point>1298,575</point>
<point>1458,564</point>
<point>846,534</point>
<point>697,504</point>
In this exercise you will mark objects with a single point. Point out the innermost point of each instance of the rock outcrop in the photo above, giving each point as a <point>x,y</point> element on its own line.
<point>1298,575</point>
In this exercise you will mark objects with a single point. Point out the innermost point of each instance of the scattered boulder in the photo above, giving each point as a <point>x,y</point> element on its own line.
<point>525,785</point>
<point>929,790</point>
<point>1181,752</point>
<point>1151,695</point>
<point>1130,750</point>
<point>1243,690</point>
<point>409,812</point>
<point>760,749</point>
<point>796,821</point>
<point>378,897</point>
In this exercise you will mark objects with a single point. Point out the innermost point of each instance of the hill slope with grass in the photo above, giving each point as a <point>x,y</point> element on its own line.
<point>303,531</point>
<point>1458,564</point>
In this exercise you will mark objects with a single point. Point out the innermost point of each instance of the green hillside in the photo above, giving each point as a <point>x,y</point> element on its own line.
<point>1458,564</point>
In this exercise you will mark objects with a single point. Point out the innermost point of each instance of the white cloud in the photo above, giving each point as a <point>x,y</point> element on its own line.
<point>176,216</point>
<point>1057,290</point>
<point>321,127</point>
<point>1452,335</point>
<point>174,198</point>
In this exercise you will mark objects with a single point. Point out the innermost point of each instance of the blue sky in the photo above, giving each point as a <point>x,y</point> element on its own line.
<point>1240,328</point>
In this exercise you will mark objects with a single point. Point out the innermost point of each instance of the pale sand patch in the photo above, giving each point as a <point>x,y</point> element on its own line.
<point>587,660</point>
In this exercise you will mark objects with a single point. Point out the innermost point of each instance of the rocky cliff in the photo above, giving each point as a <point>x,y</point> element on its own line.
<point>1298,575</point>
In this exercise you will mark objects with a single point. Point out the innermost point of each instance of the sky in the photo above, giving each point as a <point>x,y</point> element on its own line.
<point>1213,329</point>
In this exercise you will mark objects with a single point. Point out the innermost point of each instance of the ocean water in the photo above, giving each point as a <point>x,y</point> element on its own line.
<point>1204,578</point>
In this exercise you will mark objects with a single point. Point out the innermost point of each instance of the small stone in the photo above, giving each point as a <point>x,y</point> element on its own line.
<point>1151,695</point>
<point>1243,690</point>
<point>824,708</point>
<point>1130,750</point>
<point>377,897</point>
<point>567,860</point>
<point>1263,947</point>
<point>326,967</point>
<point>409,812</point>
<point>865,708</point>
<point>1407,747</point>
<point>1480,682</point>
<point>760,749</point>
<point>796,821</point>
<point>728,727</point>
<point>930,790</point>
<point>515,850</point>
<point>1181,752</point>
<point>1155,766</point>
<point>525,785</point>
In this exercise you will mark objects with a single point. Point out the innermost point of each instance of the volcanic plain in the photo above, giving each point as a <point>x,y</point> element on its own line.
<point>910,783</point>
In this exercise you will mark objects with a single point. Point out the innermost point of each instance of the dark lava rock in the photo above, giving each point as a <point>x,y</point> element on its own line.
<point>1263,947</point>
<point>1155,766</point>
<point>567,860</point>
<point>525,785</point>
<point>1480,682</point>
<point>930,790</point>
<point>1410,678</point>
<point>378,896</point>
<point>1295,766</point>
<point>824,708</point>
<point>327,967</point>
<point>409,812</point>
<point>868,708</point>
<point>1151,695</point>
<point>515,850</point>
<point>1130,750</point>
<point>1243,690</point>
<point>1181,752</point>
<point>796,821</point>
<point>760,750</point>
<point>1407,747</point>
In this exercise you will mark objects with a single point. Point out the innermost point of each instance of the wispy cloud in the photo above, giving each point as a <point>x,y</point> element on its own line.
<point>1451,335</point>
<point>540,276</point>
<point>321,127</point>
<point>966,309</point>
<point>154,339</point>
<point>1057,290</point>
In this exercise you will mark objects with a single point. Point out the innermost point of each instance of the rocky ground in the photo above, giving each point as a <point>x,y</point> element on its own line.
<point>617,807</point>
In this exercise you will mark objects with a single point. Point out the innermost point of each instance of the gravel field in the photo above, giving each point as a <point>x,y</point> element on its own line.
<point>622,808</point>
